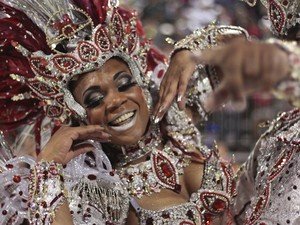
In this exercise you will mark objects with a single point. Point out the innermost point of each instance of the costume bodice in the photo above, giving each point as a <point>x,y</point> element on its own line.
<point>268,189</point>
<point>211,200</point>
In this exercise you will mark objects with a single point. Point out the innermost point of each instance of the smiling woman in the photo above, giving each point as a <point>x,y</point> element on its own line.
<point>113,100</point>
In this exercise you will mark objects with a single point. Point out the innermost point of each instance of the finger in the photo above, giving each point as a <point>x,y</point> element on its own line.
<point>280,68</point>
<point>163,87</point>
<point>169,83</point>
<point>182,104</point>
<point>269,70</point>
<point>184,80</point>
<point>167,101</point>
<point>251,68</point>
<point>73,154</point>
<point>230,85</point>
<point>217,98</point>
<point>86,132</point>
<point>181,93</point>
<point>169,87</point>
<point>234,83</point>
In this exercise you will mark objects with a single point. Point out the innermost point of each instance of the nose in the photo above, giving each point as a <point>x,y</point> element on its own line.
<point>115,101</point>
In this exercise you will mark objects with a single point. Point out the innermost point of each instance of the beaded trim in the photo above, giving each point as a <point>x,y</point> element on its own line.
<point>46,191</point>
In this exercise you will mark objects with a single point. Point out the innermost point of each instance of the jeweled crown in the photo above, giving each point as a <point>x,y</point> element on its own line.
<point>86,49</point>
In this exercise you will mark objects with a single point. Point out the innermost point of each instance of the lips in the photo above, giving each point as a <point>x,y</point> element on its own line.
<point>123,122</point>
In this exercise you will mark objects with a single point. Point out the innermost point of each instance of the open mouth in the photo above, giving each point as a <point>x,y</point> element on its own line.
<point>123,122</point>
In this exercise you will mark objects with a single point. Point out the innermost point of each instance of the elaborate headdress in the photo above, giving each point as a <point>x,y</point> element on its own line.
<point>62,39</point>
<point>284,14</point>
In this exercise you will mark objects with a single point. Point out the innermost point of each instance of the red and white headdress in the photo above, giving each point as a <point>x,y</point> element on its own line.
<point>283,14</point>
<point>40,55</point>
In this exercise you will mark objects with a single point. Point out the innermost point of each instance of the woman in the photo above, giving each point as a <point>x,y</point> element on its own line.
<point>100,80</point>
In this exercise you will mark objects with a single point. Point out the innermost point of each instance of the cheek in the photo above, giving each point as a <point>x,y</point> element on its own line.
<point>138,96</point>
<point>96,116</point>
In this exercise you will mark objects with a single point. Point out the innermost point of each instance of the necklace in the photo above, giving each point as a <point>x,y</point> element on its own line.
<point>151,140</point>
<point>160,171</point>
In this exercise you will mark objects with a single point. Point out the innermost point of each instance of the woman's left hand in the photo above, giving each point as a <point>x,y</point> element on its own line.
<point>175,81</point>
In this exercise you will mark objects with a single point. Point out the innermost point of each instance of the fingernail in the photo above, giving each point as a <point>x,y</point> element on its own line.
<point>161,109</point>
<point>179,98</point>
<point>106,135</point>
<point>156,119</point>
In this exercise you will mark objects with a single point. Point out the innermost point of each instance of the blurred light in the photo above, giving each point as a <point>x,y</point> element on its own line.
<point>166,29</point>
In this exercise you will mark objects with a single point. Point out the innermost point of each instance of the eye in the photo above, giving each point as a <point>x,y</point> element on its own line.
<point>93,99</point>
<point>125,82</point>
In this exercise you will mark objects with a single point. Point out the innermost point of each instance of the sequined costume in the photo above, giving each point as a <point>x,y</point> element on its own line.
<point>41,55</point>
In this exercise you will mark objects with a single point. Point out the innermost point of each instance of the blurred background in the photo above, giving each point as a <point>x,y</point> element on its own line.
<point>235,132</point>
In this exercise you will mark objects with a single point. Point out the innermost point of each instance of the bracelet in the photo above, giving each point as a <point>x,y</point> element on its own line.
<point>46,192</point>
<point>206,38</point>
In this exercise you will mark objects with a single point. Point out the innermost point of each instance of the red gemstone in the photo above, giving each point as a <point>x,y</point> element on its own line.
<point>149,221</point>
<point>67,30</point>
<point>165,215</point>
<point>285,2</point>
<point>9,166</point>
<point>177,188</point>
<point>44,204</point>
<point>111,173</point>
<point>160,74</point>
<point>66,63</point>
<point>166,170</point>
<point>92,177</point>
<point>186,223</point>
<point>17,179</point>
<point>219,205</point>
<point>208,218</point>
<point>290,16</point>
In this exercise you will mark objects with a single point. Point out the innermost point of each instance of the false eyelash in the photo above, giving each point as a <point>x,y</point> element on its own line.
<point>126,86</point>
<point>94,102</point>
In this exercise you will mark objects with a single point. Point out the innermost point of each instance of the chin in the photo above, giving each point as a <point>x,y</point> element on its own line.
<point>129,136</point>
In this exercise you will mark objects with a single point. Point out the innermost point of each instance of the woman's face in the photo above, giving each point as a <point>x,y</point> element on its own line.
<point>113,100</point>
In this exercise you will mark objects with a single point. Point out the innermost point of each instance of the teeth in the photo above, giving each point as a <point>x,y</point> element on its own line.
<point>122,118</point>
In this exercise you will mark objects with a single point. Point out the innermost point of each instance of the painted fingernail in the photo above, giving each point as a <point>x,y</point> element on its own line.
<point>179,98</point>
<point>161,109</point>
<point>156,119</point>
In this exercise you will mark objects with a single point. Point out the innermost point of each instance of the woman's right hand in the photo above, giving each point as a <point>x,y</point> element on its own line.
<point>61,147</point>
